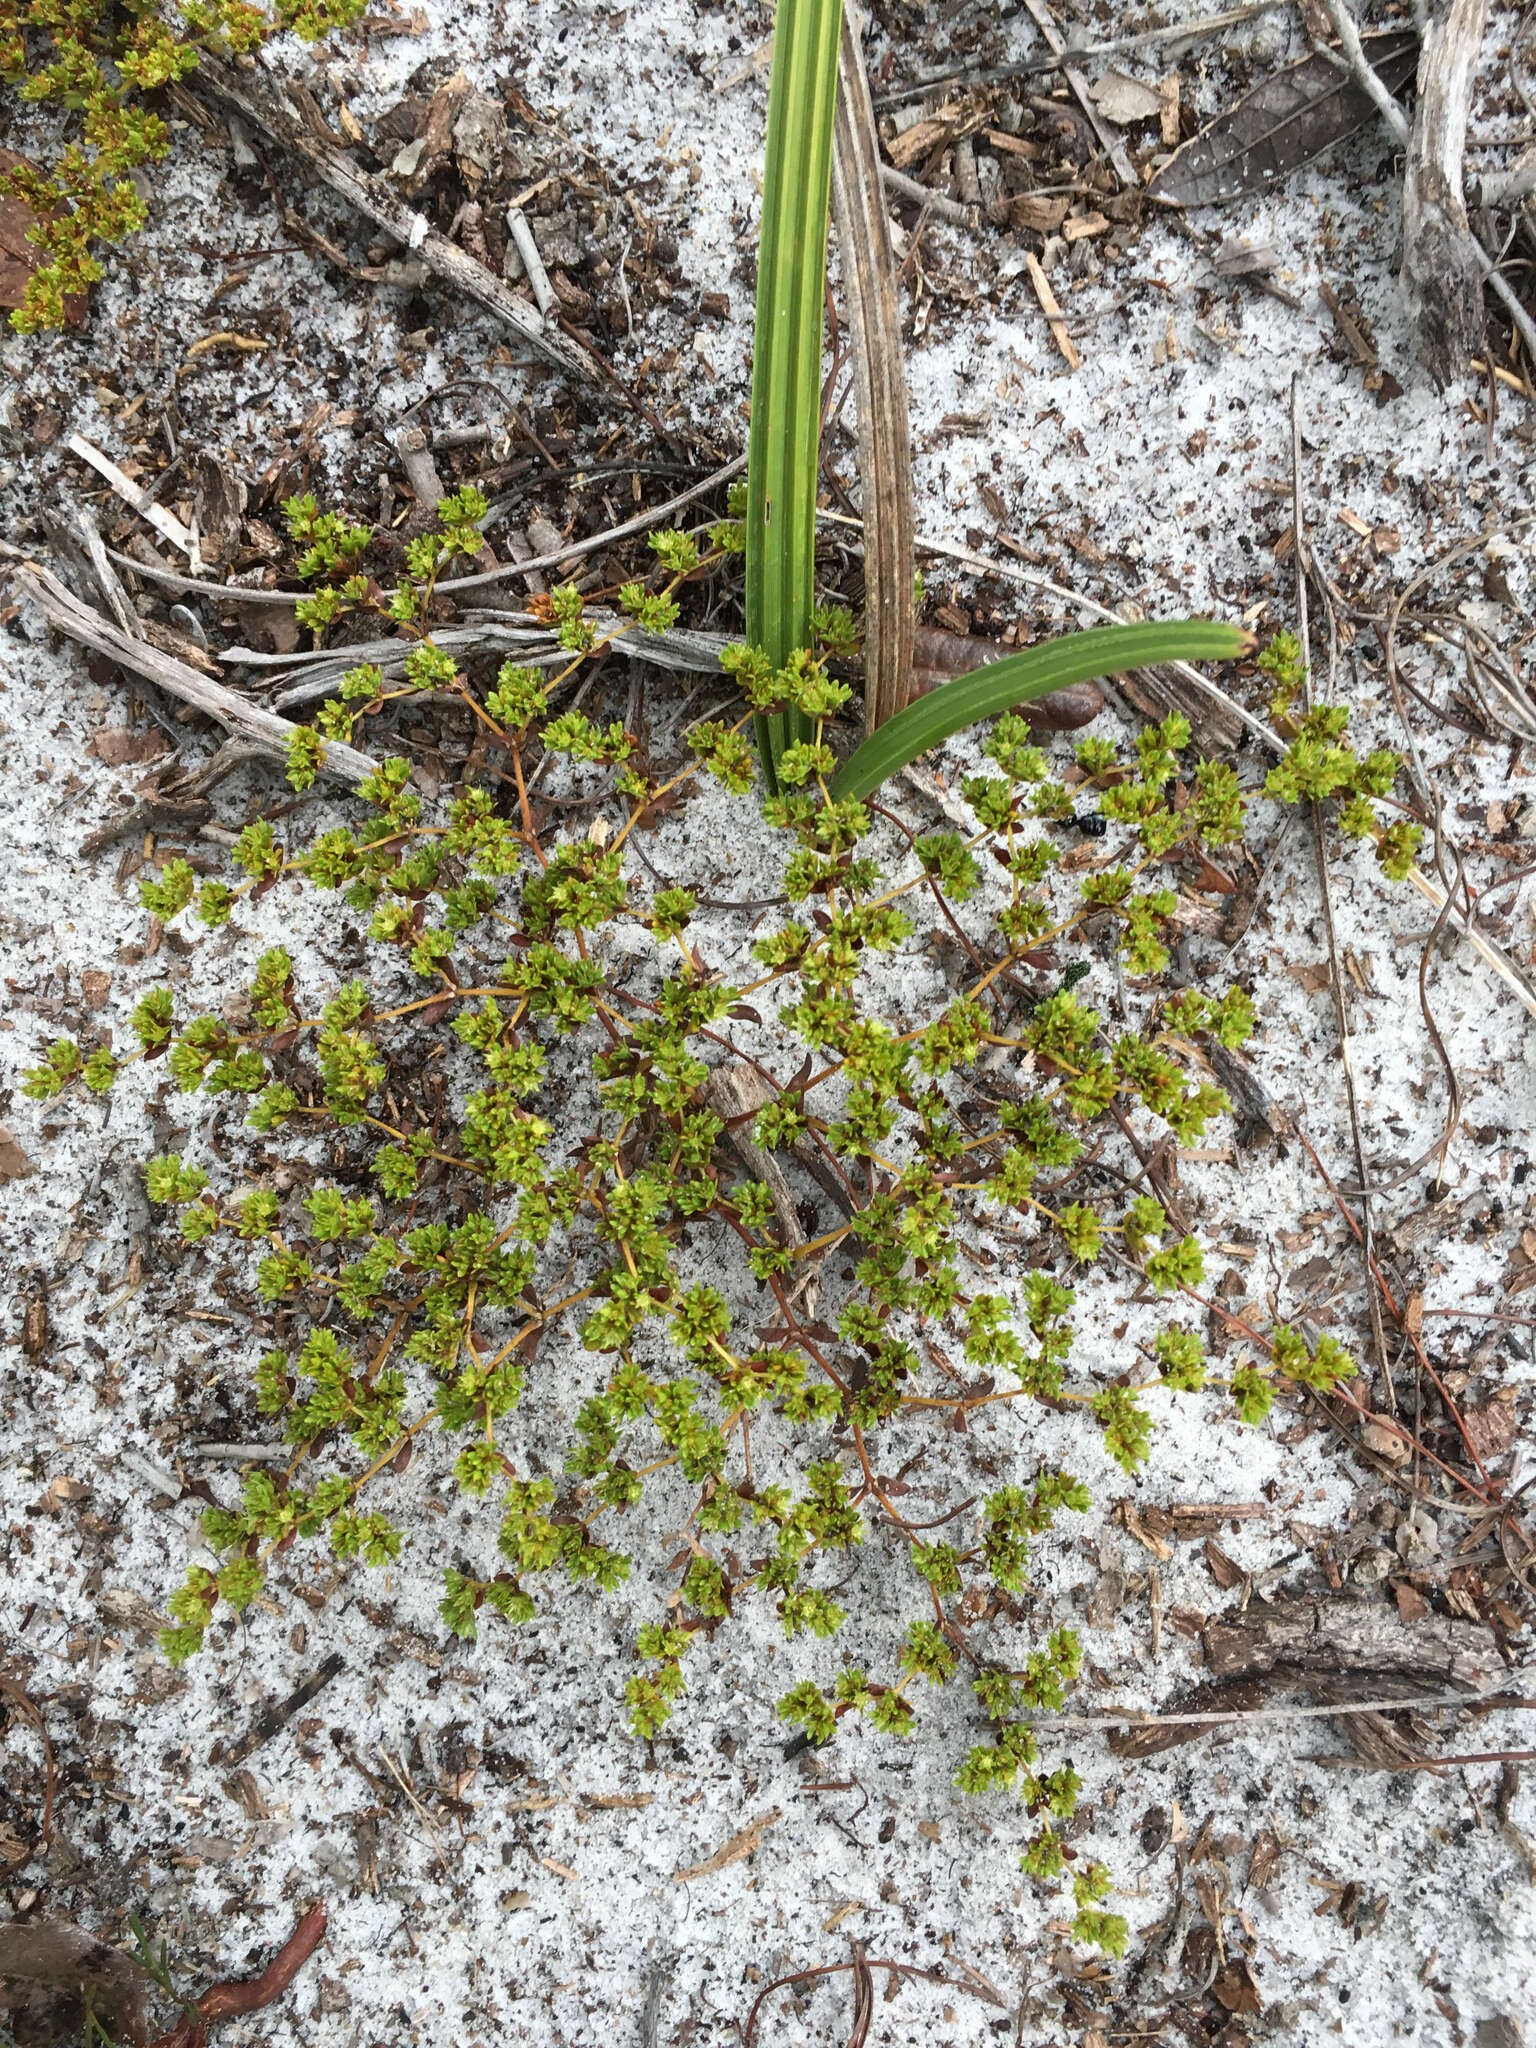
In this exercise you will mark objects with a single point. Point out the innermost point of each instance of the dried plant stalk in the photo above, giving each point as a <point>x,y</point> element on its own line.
<point>880,388</point>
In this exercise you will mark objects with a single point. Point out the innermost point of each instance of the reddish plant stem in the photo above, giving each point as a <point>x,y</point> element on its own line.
<point>250,1994</point>
<point>835,1969</point>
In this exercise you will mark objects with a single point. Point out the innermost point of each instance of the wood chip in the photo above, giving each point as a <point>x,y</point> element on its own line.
<point>835,1920</point>
<point>1012,145</point>
<point>1136,1527</point>
<point>1264,1860</point>
<point>1168,94</point>
<point>1052,312</point>
<point>918,141</point>
<point>1224,1570</point>
<point>734,1850</point>
<point>166,524</point>
<point>1491,1427</point>
<point>1083,225</point>
<point>1044,212</point>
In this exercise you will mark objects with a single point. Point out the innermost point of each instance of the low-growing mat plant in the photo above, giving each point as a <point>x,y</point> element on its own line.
<point>563,1218</point>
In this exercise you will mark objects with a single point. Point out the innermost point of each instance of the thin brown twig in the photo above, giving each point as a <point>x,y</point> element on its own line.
<point>1442,1763</point>
<point>450,586</point>
<point>1325,895</point>
<point>1134,1717</point>
<point>856,1963</point>
<point>1397,1314</point>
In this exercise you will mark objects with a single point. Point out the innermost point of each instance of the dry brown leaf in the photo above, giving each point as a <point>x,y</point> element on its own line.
<point>1411,1604</point>
<point>1314,976</point>
<point>1386,1443</point>
<point>14,1163</point>
<point>19,258</point>
<point>119,746</point>
<point>1491,1427</point>
<point>53,1973</point>
<point>1123,99</point>
<point>1265,1859</point>
<point>1236,1988</point>
<point>739,1845</point>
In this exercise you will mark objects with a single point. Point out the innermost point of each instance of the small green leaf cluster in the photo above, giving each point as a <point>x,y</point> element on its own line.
<point>94,61</point>
<point>1320,764</point>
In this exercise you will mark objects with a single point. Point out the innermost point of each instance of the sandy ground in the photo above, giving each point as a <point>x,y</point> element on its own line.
<point>525,1886</point>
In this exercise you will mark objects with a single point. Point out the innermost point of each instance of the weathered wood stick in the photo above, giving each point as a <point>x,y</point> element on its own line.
<point>63,610</point>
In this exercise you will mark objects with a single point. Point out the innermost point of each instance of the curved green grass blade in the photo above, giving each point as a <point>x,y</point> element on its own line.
<point>1019,678</point>
<point>783,446</point>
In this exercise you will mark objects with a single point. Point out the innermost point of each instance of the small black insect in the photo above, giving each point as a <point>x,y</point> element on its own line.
<point>1091,824</point>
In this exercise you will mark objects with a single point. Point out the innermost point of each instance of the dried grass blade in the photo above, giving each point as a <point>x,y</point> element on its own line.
<point>880,386</point>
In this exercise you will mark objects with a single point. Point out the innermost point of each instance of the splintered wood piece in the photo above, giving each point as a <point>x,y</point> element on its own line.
<point>165,523</point>
<point>265,729</point>
<point>1334,1638</point>
<point>1150,1738</point>
<point>1168,93</point>
<point>734,1850</point>
<point>1052,312</point>
<point>1443,263</point>
<point>1157,691</point>
<point>734,1093</point>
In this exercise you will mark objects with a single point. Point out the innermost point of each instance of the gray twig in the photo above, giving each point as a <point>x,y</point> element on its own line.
<point>569,550</point>
<point>247,721</point>
<point>1325,895</point>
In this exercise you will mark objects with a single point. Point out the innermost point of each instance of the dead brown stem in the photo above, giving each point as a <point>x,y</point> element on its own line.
<point>224,2001</point>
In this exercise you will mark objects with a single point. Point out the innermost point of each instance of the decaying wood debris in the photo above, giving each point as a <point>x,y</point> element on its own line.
<point>64,611</point>
<point>1340,1651</point>
<point>1443,263</point>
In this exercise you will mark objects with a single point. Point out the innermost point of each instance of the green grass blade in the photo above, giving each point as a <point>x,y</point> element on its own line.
<point>783,447</point>
<point>1019,678</point>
